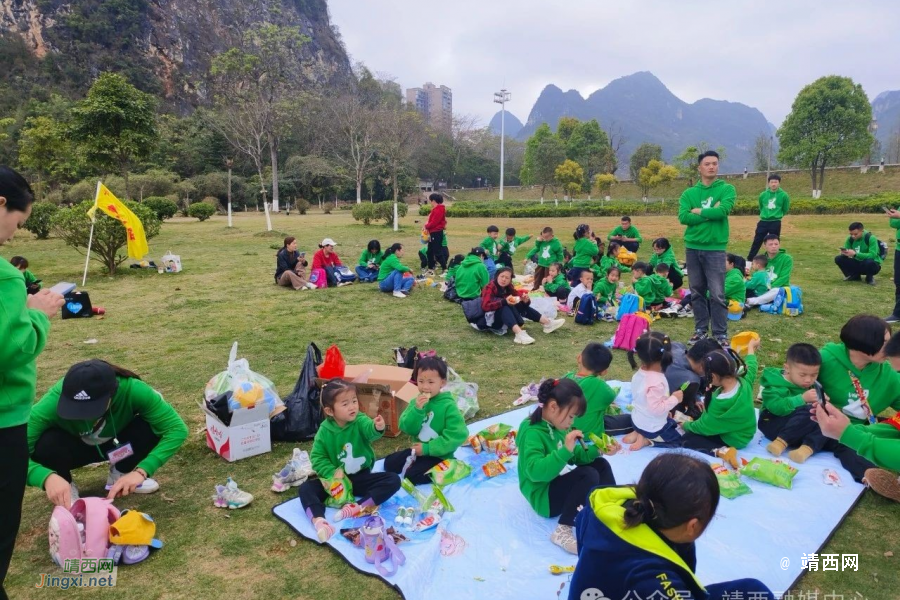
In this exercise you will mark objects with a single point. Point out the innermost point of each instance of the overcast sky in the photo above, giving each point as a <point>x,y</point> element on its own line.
<point>759,53</point>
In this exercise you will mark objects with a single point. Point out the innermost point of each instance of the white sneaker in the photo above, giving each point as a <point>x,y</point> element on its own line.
<point>297,471</point>
<point>564,537</point>
<point>523,338</point>
<point>668,313</point>
<point>147,487</point>
<point>553,325</point>
<point>399,294</point>
<point>310,286</point>
<point>343,283</point>
<point>229,496</point>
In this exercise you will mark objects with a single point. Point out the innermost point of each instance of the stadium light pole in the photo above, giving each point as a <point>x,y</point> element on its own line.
<point>501,98</point>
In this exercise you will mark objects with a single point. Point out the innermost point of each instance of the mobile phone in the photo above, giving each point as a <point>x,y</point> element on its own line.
<point>63,287</point>
<point>819,393</point>
<point>885,209</point>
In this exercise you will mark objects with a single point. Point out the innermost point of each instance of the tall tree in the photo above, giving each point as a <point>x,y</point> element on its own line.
<point>355,126</point>
<point>828,125</point>
<point>570,177</point>
<point>654,174</point>
<point>642,156</point>
<point>565,127</point>
<point>401,133</point>
<point>543,153</point>
<point>763,152</point>
<point>589,147</point>
<point>115,125</point>
<point>45,152</point>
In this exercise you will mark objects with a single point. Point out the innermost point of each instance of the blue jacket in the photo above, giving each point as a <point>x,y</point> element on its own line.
<point>619,561</point>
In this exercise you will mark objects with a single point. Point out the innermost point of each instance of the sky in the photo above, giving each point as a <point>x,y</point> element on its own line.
<point>758,53</point>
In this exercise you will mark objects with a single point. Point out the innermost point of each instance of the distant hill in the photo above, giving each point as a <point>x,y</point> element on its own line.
<point>643,109</point>
<point>511,124</point>
<point>886,108</point>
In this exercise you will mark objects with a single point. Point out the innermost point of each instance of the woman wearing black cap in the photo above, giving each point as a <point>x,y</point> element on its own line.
<point>100,411</point>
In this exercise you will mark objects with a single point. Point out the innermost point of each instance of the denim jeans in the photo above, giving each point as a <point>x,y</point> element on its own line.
<point>706,273</point>
<point>491,266</point>
<point>396,282</point>
<point>366,274</point>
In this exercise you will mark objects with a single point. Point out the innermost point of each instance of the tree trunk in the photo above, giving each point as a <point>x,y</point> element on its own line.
<point>821,178</point>
<point>359,188</point>
<point>125,177</point>
<point>394,180</point>
<point>229,196</point>
<point>265,202</point>
<point>273,151</point>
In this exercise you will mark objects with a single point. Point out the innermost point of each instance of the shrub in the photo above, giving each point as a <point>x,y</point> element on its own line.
<point>385,211</point>
<point>39,221</point>
<point>364,212</point>
<point>201,210</point>
<point>424,210</point>
<point>163,207</point>
<point>73,226</point>
<point>302,206</point>
<point>212,201</point>
<point>327,208</point>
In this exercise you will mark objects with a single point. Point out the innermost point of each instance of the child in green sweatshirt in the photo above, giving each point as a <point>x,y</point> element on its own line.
<point>555,283</point>
<point>509,245</point>
<point>555,471</point>
<point>490,244</point>
<point>610,259</point>
<point>584,252</point>
<point>593,363</point>
<point>787,395</point>
<point>729,421</point>
<point>605,288</point>
<point>735,287</point>
<point>759,281</point>
<point>661,284</point>
<point>369,262</point>
<point>547,250</point>
<point>432,420</point>
<point>643,284</point>
<point>32,283</point>
<point>343,449</point>
<point>453,266</point>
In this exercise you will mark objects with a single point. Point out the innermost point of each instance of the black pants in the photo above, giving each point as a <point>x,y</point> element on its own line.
<point>896,312</point>
<point>366,484</point>
<point>630,246</point>
<point>850,460</point>
<point>795,429</point>
<point>436,254</point>
<point>393,463</point>
<point>561,293</point>
<point>62,451</point>
<point>13,472</point>
<point>763,228</point>
<point>569,491</point>
<point>617,424</point>
<point>423,259</point>
<point>856,269</point>
<point>707,444</point>
<point>330,276</point>
<point>510,316</point>
<point>675,279</point>
<point>573,275</point>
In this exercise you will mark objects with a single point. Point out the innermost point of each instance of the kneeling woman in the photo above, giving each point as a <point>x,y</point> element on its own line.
<point>393,276</point>
<point>99,412</point>
<point>504,306</point>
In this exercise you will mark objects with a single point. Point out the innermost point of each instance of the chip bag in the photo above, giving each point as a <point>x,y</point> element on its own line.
<point>730,484</point>
<point>777,473</point>
<point>340,491</point>
<point>496,431</point>
<point>604,443</point>
<point>449,471</point>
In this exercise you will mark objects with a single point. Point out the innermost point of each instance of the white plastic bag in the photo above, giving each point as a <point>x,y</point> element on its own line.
<point>545,305</point>
<point>530,267</point>
<point>245,386</point>
<point>465,393</point>
<point>171,262</point>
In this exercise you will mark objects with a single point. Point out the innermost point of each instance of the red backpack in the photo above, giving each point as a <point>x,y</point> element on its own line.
<point>630,329</point>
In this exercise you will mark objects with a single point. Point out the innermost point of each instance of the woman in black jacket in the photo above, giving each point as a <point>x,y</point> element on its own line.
<point>290,267</point>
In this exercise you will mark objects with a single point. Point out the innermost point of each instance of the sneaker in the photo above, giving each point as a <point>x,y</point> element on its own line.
<point>348,511</point>
<point>310,286</point>
<point>296,471</point>
<point>723,341</point>
<point>501,331</point>
<point>883,482</point>
<point>564,537</point>
<point>608,318</point>
<point>870,280</point>
<point>668,313</point>
<point>892,319</point>
<point>553,325</point>
<point>343,283</point>
<point>427,273</point>
<point>698,335</point>
<point>147,487</point>
<point>399,294</point>
<point>686,313</point>
<point>523,338</point>
<point>852,278</point>
<point>324,530</point>
<point>229,496</point>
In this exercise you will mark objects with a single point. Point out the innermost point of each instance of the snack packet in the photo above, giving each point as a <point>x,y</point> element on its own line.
<point>777,473</point>
<point>831,477</point>
<point>449,471</point>
<point>730,484</point>
<point>603,443</point>
<point>427,502</point>
<point>477,442</point>
<point>493,468</point>
<point>495,432</point>
<point>340,492</point>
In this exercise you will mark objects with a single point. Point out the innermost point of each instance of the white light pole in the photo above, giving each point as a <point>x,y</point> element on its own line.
<point>501,98</point>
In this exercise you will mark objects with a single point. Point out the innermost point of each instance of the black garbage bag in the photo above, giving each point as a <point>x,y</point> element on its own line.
<point>303,415</point>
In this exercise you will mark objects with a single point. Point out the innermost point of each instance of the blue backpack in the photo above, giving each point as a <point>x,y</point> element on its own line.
<point>789,301</point>
<point>587,310</point>
<point>628,305</point>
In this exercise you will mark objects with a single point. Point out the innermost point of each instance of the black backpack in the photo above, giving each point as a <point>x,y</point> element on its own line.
<point>303,415</point>
<point>882,247</point>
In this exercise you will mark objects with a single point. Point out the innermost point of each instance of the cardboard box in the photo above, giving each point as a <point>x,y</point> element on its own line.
<point>248,435</point>
<point>387,391</point>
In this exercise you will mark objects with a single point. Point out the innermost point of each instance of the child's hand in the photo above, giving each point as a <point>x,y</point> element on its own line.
<point>613,447</point>
<point>572,438</point>
<point>379,423</point>
<point>338,474</point>
<point>678,394</point>
<point>810,396</point>
<point>421,399</point>
<point>417,448</point>
<point>752,346</point>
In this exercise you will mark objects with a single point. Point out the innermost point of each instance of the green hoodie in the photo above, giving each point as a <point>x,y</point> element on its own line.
<point>759,282</point>
<point>734,419</point>
<point>661,286</point>
<point>542,455</point>
<point>605,290</point>
<point>878,379</point>
<point>366,257</point>
<point>134,397</point>
<point>879,443</point>
<point>644,288</point>
<point>451,272</point>
<point>511,247</point>
<point>553,286</point>
<point>342,447</point>
<point>438,425</point>
<point>667,257</point>
<point>547,252</point>
<point>709,229</point>
<point>734,286</point>
<point>390,264</point>
<point>773,205</point>
<point>864,250</point>
<point>631,232</point>
<point>895,223</point>
<point>779,269</point>
<point>599,396</point>
<point>471,277</point>
<point>491,246</point>
<point>585,250</point>
<point>779,396</point>
<point>24,336</point>
<point>30,278</point>
<point>608,262</point>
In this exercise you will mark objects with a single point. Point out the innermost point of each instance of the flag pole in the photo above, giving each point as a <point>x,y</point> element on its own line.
<point>87,259</point>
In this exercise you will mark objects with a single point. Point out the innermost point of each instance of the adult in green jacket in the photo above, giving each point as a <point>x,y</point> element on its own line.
<point>774,203</point>
<point>626,234</point>
<point>860,255</point>
<point>393,276</point>
<point>101,412</point>
<point>472,275</point>
<point>778,271</point>
<point>704,210</point>
<point>547,250</point>
<point>24,325</point>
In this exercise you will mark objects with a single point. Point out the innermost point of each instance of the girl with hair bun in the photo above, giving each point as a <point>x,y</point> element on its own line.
<point>652,401</point>
<point>639,540</point>
<point>556,472</point>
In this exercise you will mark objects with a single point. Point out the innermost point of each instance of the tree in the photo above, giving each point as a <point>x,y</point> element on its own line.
<point>73,226</point>
<point>155,182</point>
<point>604,183</point>
<point>115,125</point>
<point>354,120</point>
<point>686,162</point>
<point>45,152</point>
<point>589,146</point>
<point>642,157</point>
<point>543,153</point>
<point>401,133</point>
<point>763,152</point>
<point>654,174</point>
<point>570,177</point>
<point>565,128</point>
<point>38,222</point>
<point>201,211</point>
<point>828,124</point>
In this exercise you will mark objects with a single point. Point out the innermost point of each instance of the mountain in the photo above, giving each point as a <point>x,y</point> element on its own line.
<point>886,109</point>
<point>642,109</point>
<point>164,47</point>
<point>511,124</point>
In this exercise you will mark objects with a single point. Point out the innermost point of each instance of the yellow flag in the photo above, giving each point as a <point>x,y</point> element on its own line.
<point>134,229</point>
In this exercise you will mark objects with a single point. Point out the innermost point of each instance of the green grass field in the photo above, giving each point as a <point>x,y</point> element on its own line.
<point>176,332</point>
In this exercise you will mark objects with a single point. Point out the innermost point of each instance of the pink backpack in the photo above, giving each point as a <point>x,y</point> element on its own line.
<point>318,277</point>
<point>82,531</point>
<point>630,329</point>
<point>379,546</point>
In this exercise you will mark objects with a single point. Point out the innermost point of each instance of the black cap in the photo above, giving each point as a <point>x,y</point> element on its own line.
<point>479,251</point>
<point>86,391</point>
